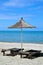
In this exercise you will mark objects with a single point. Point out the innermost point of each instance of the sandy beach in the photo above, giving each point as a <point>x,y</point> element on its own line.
<point>16,60</point>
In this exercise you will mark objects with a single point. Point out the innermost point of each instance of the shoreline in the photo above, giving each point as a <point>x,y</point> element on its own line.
<point>23,42</point>
<point>24,45</point>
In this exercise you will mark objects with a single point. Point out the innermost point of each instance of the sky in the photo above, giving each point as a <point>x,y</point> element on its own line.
<point>12,10</point>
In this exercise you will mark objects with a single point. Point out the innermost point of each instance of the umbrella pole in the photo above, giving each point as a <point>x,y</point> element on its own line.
<point>21,37</point>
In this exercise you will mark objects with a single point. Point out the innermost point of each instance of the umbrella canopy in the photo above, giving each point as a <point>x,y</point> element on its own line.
<point>21,24</point>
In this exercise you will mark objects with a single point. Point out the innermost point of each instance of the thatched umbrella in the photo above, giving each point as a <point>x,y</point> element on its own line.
<point>21,24</point>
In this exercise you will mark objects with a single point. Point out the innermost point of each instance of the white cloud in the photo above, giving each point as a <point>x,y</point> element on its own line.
<point>17,3</point>
<point>21,3</point>
<point>9,4</point>
<point>11,17</point>
<point>38,8</point>
<point>2,16</point>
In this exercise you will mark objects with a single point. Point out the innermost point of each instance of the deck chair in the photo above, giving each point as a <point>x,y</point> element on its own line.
<point>12,51</point>
<point>30,53</point>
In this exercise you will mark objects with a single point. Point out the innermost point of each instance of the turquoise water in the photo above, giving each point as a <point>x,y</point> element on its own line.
<point>27,36</point>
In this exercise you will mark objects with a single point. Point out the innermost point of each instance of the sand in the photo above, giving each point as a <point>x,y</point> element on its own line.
<point>16,60</point>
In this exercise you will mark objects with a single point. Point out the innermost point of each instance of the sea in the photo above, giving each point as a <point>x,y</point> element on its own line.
<point>24,36</point>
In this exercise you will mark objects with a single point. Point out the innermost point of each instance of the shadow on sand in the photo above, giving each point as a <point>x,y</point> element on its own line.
<point>33,57</point>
